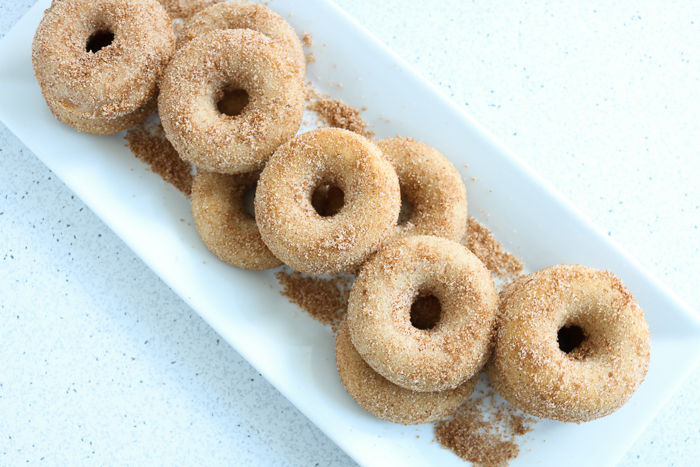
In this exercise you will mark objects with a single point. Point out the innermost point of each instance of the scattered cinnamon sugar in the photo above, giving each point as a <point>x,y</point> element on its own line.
<point>310,58</point>
<point>148,143</point>
<point>336,113</point>
<point>326,300</point>
<point>308,39</point>
<point>484,431</point>
<point>480,241</point>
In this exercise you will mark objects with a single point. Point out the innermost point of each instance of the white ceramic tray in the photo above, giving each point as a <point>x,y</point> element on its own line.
<point>290,349</point>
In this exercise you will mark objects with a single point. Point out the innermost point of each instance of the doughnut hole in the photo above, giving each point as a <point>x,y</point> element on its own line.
<point>99,40</point>
<point>328,199</point>
<point>425,312</point>
<point>249,200</point>
<point>232,101</point>
<point>406,211</point>
<point>572,340</point>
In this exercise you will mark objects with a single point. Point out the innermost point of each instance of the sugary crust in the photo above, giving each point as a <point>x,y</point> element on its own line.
<point>432,186</point>
<point>380,305</point>
<point>530,371</point>
<point>385,400</point>
<point>292,228</point>
<point>109,90</point>
<point>226,228</point>
<point>198,76</point>
<point>102,125</point>
<point>247,15</point>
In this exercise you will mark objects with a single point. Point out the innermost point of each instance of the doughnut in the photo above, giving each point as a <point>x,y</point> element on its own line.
<point>379,313</point>
<point>431,185</point>
<point>226,227</point>
<point>572,344</point>
<point>199,75</point>
<point>247,15</point>
<point>300,236</point>
<point>99,63</point>
<point>384,399</point>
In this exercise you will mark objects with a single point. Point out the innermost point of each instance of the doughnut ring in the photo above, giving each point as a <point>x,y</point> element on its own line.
<point>431,185</point>
<point>572,344</point>
<point>98,63</point>
<point>385,400</point>
<point>295,232</point>
<point>236,14</point>
<point>197,78</point>
<point>379,313</point>
<point>226,227</point>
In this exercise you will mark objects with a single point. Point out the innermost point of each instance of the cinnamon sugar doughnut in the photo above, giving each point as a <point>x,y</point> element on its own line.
<point>431,185</point>
<point>197,77</point>
<point>379,313</point>
<point>295,232</point>
<point>226,227</point>
<point>99,62</point>
<point>385,400</point>
<point>236,14</point>
<point>572,344</point>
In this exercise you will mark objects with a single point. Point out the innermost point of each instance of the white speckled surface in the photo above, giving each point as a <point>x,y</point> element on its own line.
<point>103,364</point>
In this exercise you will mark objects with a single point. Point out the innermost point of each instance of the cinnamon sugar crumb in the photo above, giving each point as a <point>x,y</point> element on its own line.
<point>336,113</point>
<point>484,431</point>
<point>326,300</point>
<point>149,145</point>
<point>310,58</point>
<point>480,241</point>
<point>307,39</point>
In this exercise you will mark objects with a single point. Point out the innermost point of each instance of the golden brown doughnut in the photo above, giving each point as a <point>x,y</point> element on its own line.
<point>295,232</point>
<point>379,313</point>
<point>236,14</point>
<point>385,400</point>
<point>431,185</point>
<point>572,344</point>
<point>198,76</point>
<point>226,227</point>
<point>98,63</point>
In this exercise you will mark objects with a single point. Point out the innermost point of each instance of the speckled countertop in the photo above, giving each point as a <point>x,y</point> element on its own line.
<point>102,364</point>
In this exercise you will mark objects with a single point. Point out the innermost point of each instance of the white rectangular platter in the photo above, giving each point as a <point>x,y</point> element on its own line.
<point>287,347</point>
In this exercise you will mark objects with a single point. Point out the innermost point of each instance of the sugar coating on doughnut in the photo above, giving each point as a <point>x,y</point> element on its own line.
<point>110,89</point>
<point>597,377</point>
<point>102,125</point>
<point>226,227</point>
<point>236,14</point>
<point>385,400</point>
<point>196,79</point>
<point>292,228</point>
<point>431,185</point>
<point>185,9</point>
<point>379,309</point>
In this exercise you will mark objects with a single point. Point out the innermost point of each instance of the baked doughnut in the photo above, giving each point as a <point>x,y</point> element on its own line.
<point>197,78</point>
<point>431,185</point>
<point>295,232</point>
<point>236,14</point>
<point>98,63</point>
<point>385,400</point>
<point>572,344</point>
<point>226,227</point>
<point>379,313</point>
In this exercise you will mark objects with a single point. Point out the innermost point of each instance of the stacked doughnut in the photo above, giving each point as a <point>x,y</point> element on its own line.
<point>233,93</point>
<point>572,344</point>
<point>99,62</point>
